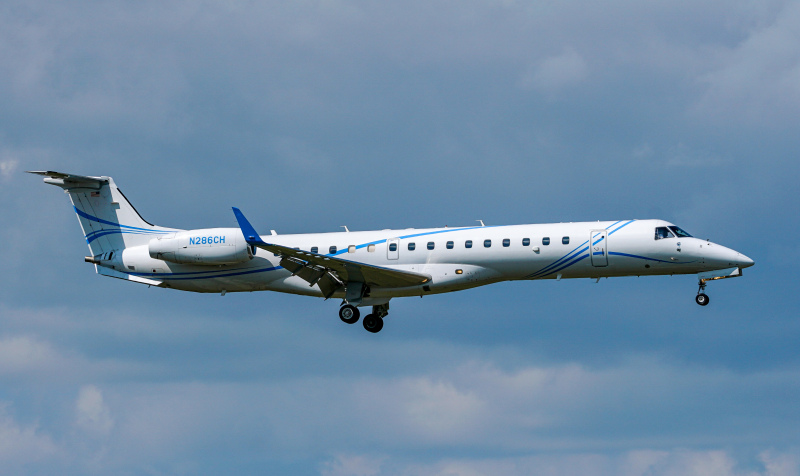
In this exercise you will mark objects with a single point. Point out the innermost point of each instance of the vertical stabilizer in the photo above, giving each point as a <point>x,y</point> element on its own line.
<point>108,220</point>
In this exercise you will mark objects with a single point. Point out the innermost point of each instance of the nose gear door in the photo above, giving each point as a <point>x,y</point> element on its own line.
<point>598,247</point>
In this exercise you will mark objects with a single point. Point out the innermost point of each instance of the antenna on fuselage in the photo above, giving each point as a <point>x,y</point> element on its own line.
<point>345,228</point>
<point>481,222</point>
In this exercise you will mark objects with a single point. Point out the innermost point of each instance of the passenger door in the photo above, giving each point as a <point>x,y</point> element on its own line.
<point>598,247</point>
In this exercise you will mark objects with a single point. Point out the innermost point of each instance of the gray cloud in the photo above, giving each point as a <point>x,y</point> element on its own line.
<point>311,115</point>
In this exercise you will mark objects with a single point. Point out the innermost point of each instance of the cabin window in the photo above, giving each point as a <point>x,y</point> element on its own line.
<point>371,249</point>
<point>526,242</point>
<point>678,232</point>
<point>449,245</point>
<point>565,240</point>
<point>392,246</point>
<point>351,249</point>
<point>487,243</point>
<point>506,242</point>
<point>663,232</point>
<point>332,250</point>
<point>431,245</point>
<point>412,246</point>
<point>468,244</point>
<point>314,249</point>
<point>546,240</point>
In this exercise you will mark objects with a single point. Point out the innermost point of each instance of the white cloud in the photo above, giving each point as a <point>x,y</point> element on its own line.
<point>20,446</point>
<point>646,462</point>
<point>8,167</point>
<point>92,413</point>
<point>556,72</point>
<point>25,354</point>
<point>352,465</point>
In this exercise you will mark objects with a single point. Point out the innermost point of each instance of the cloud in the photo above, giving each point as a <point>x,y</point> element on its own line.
<point>352,465</point>
<point>91,412</point>
<point>23,446</point>
<point>8,167</point>
<point>555,73</point>
<point>25,354</point>
<point>644,462</point>
<point>757,82</point>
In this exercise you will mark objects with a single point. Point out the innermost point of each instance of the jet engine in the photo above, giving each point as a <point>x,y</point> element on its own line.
<point>213,246</point>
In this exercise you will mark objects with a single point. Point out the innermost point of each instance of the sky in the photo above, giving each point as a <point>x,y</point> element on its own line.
<point>313,114</point>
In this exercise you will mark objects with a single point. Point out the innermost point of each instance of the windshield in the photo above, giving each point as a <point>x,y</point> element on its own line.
<point>679,232</point>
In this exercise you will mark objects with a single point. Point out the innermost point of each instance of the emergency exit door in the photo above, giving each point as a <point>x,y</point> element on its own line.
<point>393,248</point>
<point>598,247</point>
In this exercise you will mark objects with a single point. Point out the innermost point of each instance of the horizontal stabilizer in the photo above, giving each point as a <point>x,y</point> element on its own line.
<point>70,181</point>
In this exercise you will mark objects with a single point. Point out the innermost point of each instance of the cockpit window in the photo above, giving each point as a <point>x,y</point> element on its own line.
<point>679,232</point>
<point>663,232</point>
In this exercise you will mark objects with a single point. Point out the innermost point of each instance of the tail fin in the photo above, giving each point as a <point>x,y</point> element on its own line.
<point>107,218</point>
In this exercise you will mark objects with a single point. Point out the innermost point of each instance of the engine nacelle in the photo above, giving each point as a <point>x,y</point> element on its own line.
<point>213,246</point>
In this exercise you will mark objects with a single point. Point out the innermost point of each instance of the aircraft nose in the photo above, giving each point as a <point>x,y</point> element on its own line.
<point>743,261</point>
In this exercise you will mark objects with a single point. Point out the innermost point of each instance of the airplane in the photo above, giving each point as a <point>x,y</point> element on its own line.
<point>369,268</point>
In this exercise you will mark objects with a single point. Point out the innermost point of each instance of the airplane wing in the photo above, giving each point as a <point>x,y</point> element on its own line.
<point>328,272</point>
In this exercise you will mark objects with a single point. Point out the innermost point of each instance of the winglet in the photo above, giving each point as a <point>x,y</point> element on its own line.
<point>250,234</point>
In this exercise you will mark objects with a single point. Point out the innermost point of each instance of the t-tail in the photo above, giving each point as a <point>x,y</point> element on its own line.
<point>108,220</point>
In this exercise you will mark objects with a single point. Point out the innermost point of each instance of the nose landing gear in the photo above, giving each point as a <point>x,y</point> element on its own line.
<point>701,298</point>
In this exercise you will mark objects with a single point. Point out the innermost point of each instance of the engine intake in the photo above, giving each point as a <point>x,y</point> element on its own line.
<point>213,246</point>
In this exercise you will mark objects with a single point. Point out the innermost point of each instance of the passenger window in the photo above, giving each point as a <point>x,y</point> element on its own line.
<point>431,245</point>
<point>506,242</point>
<point>468,244</point>
<point>546,240</point>
<point>351,249</point>
<point>449,245</point>
<point>332,250</point>
<point>314,249</point>
<point>487,243</point>
<point>412,246</point>
<point>371,249</point>
<point>565,240</point>
<point>526,242</point>
<point>663,232</point>
<point>393,247</point>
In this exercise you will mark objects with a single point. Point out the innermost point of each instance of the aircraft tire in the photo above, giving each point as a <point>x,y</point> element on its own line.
<point>349,314</point>
<point>702,299</point>
<point>373,323</point>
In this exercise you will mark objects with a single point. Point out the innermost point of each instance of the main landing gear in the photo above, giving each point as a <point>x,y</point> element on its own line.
<point>372,322</point>
<point>349,314</point>
<point>701,298</point>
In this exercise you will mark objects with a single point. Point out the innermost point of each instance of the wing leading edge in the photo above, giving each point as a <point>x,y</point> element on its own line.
<point>328,272</point>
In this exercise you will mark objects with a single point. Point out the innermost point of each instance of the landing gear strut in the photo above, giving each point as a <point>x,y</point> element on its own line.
<point>701,298</point>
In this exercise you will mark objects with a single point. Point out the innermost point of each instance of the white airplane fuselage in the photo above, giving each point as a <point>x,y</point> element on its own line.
<point>629,249</point>
<point>368,268</point>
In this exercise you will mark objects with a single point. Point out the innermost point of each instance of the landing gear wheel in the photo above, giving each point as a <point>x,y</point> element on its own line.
<point>373,323</point>
<point>701,299</point>
<point>349,314</point>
